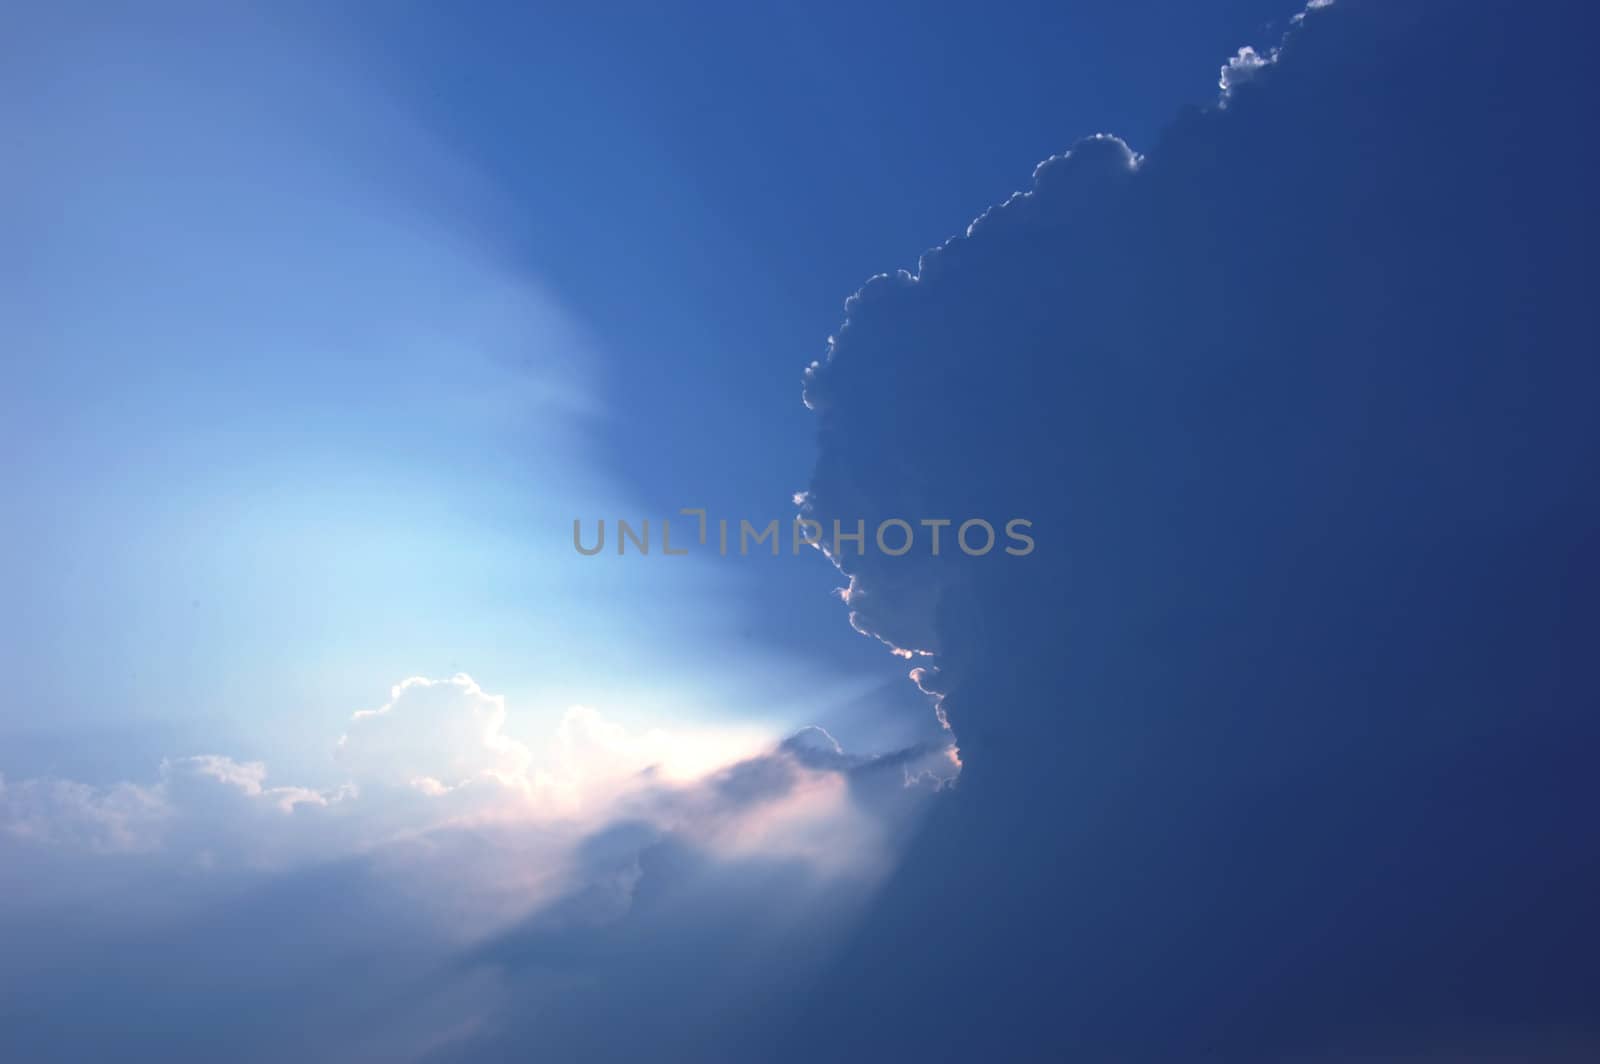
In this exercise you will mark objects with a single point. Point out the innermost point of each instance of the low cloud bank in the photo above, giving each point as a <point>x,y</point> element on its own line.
<point>214,898</point>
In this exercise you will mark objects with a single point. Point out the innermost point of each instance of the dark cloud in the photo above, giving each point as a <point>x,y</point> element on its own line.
<point>705,904</point>
<point>1277,744</point>
<point>675,948</point>
<point>1278,747</point>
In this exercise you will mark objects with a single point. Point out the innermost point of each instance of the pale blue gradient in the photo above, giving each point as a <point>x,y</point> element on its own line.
<point>281,430</point>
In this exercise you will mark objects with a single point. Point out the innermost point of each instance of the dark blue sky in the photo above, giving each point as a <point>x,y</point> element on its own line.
<point>708,187</point>
<point>703,191</point>
<point>434,286</point>
<point>322,323</point>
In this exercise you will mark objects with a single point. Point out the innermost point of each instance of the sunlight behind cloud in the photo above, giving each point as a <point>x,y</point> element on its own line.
<point>437,756</point>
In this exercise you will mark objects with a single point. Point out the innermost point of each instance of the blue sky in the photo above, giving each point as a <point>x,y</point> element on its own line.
<point>322,323</point>
<point>339,319</point>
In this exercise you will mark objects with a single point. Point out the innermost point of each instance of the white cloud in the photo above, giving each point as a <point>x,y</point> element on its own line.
<point>435,735</point>
<point>1246,64</point>
<point>1242,67</point>
<point>123,818</point>
<point>436,756</point>
<point>248,778</point>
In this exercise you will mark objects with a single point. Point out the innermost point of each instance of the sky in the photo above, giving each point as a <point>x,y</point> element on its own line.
<point>548,244</point>
<point>323,324</point>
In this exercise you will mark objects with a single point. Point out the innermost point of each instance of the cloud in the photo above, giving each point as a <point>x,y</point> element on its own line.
<point>590,748</point>
<point>437,756</point>
<point>124,818</point>
<point>1271,751</point>
<point>435,735</point>
<point>748,877</point>
<point>1242,68</point>
<point>132,818</point>
<point>248,778</point>
<point>461,899</point>
<point>1281,717</point>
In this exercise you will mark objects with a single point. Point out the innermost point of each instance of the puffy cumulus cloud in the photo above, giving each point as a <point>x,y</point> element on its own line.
<point>200,809</point>
<point>134,818</point>
<point>437,756</point>
<point>1245,64</point>
<point>248,779</point>
<point>124,818</point>
<point>474,903</point>
<point>435,735</point>
<point>1289,706</point>
<point>446,739</point>
<point>1242,67</point>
